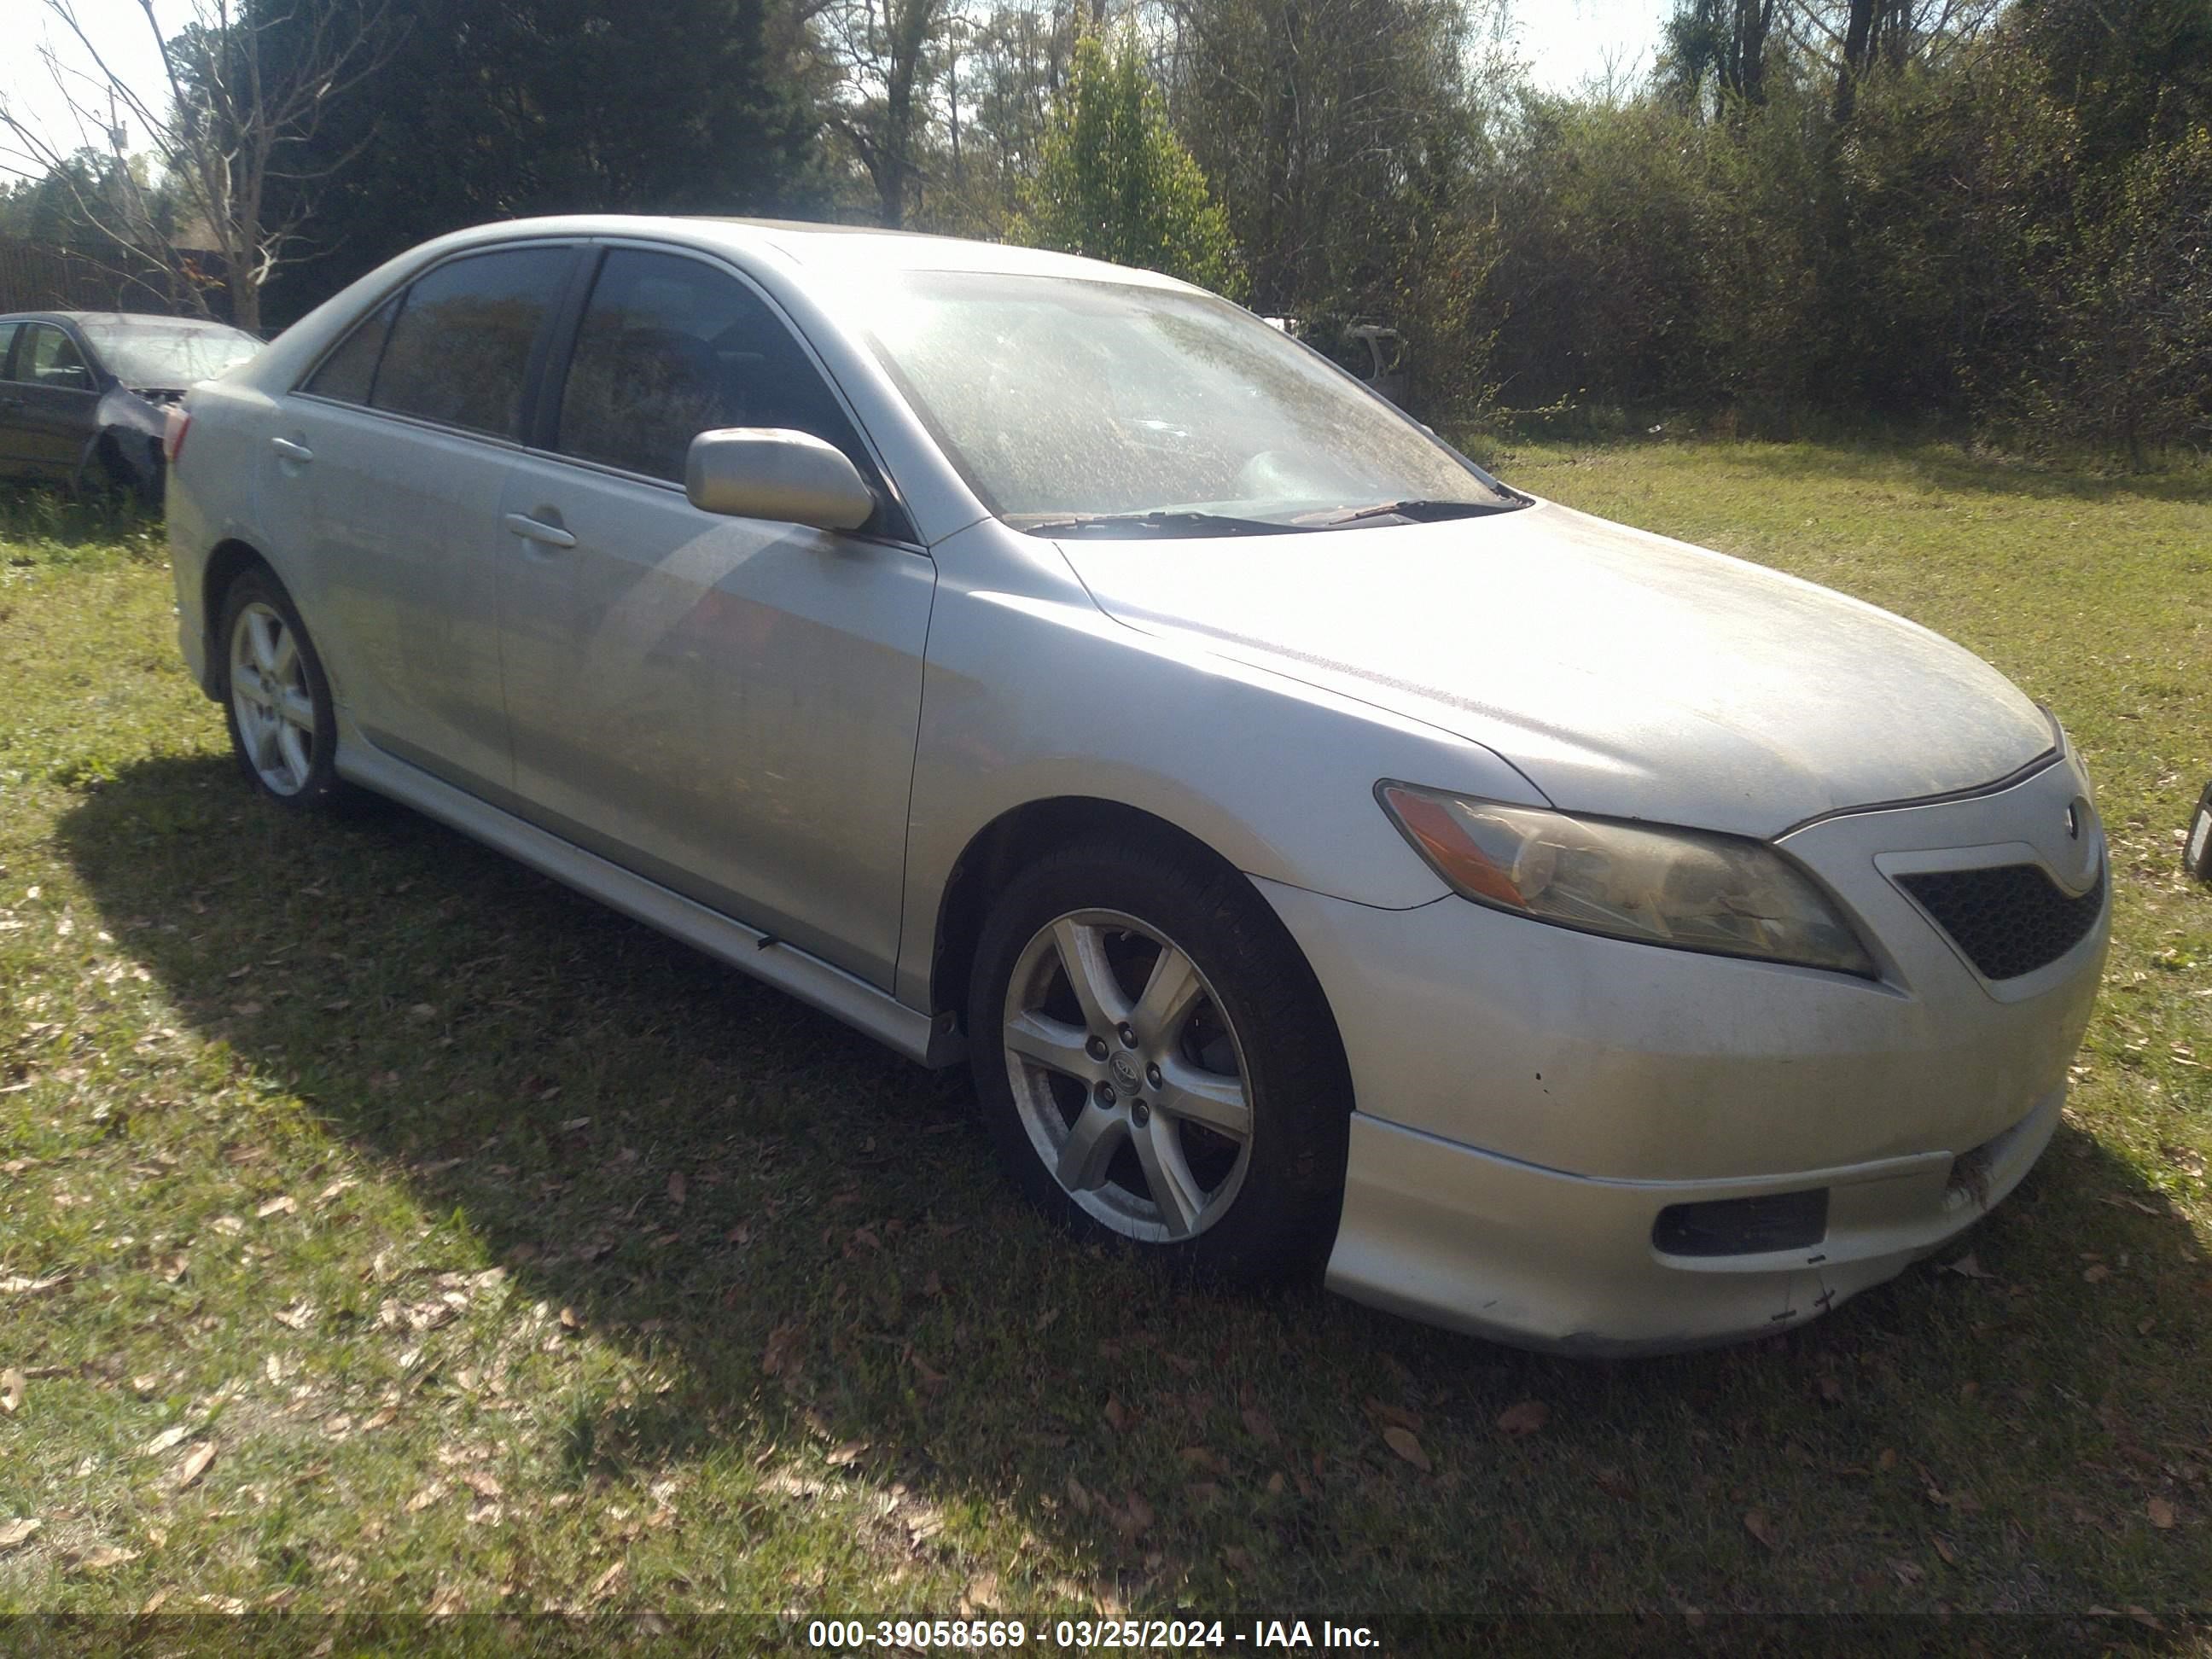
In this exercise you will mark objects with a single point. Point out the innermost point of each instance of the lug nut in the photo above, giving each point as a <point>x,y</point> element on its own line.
<point>1105,1094</point>
<point>1153,1075</point>
<point>1140,1111</point>
<point>1096,1048</point>
<point>1128,1037</point>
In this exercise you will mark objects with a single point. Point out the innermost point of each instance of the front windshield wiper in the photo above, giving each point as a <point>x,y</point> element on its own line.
<point>1422,511</point>
<point>1160,524</point>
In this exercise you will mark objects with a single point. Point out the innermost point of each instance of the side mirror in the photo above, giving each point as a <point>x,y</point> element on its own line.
<point>768,472</point>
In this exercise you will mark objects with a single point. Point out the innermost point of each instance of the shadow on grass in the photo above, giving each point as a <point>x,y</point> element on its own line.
<point>839,1256</point>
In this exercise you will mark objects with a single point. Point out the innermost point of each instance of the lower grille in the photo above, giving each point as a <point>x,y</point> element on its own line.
<point>2010,919</point>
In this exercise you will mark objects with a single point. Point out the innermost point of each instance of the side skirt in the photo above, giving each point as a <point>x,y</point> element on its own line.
<point>934,1042</point>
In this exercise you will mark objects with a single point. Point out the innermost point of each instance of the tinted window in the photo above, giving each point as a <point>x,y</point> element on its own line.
<point>671,348</point>
<point>7,339</point>
<point>49,357</point>
<point>347,373</point>
<point>459,351</point>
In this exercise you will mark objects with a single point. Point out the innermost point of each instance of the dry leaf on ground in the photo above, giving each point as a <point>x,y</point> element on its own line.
<point>1402,1440</point>
<point>194,1464</point>
<point>1525,1417</point>
<point>2162,1514</point>
<point>13,1532</point>
<point>1756,1522</point>
<point>11,1390</point>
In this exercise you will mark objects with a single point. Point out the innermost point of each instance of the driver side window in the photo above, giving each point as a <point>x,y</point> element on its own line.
<point>48,357</point>
<point>670,347</point>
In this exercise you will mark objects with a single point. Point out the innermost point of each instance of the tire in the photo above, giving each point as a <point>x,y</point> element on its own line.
<point>1194,998</point>
<point>2197,846</point>
<point>276,697</point>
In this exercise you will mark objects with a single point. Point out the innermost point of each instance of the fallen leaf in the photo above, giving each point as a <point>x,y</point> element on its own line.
<point>1136,1515</point>
<point>1257,1424</point>
<point>481,1482</point>
<point>154,1602</point>
<point>11,1390</point>
<point>334,1189</point>
<point>569,1320</point>
<point>2096,1274</point>
<point>13,1532</point>
<point>983,1590</point>
<point>1402,1440</point>
<point>1276,1484</point>
<point>675,1187</point>
<point>1756,1522</point>
<point>1614,1484</point>
<point>779,1358</point>
<point>423,1499</point>
<point>1887,1459</point>
<point>380,1418</point>
<point>1950,1556</point>
<point>106,1556</point>
<point>195,1463</point>
<point>847,1453</point>
<point>2162,1514</point>
<point>1199,1457</point>
<point>161,1441</point>
<point>1078,1495</point>
<point>606,1583</point>
<point>1526,1418</point>
<point>1967,1267</point>
<point>285,1205</point>
<point>1117,1415</point>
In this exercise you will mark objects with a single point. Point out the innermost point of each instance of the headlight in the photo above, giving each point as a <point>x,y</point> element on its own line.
<point>1680,887</point>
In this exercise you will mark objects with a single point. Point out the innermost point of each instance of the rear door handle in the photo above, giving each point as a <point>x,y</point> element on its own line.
<point>290,451</point>
<point>537,530</point>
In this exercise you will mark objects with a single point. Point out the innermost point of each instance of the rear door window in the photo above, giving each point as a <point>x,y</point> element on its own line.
<point>460,352</point>
<point>7,339</point>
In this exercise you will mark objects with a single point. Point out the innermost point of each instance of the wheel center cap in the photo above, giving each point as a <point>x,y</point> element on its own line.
<point>1125,1072</point>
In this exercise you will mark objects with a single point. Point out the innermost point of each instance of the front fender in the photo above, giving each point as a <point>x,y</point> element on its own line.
<point>1035,697</point>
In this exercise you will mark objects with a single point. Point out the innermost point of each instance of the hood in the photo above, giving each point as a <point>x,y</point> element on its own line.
<point>1624,674</point>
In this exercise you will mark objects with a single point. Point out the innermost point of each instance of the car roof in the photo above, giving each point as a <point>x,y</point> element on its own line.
<point>829,248</point>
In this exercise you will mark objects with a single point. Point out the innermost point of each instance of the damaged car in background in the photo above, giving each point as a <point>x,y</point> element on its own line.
<point>85,395</point>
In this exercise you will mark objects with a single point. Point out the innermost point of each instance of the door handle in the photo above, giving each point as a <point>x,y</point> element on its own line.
<point>290,451</point>
<point>537,530</point>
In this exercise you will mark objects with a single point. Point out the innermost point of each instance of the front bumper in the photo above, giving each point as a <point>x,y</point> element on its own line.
<point>1530,1099</point>
<point>1538,1258</point>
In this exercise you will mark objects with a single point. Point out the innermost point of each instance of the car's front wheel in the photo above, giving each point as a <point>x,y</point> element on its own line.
<point>1157,1064</point>
<point>283,727</point>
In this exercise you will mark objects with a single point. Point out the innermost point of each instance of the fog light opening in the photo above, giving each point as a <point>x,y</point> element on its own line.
<point>1743,1227</point>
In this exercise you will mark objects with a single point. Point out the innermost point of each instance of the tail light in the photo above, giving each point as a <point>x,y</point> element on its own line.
<point>173,440</point>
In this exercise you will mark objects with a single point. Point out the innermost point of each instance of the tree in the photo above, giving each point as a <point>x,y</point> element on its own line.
<point>882,45</point>
<point>490,110</point>
<point>1338,133</point>
<point>1113,182</point>
<point>228,130</point>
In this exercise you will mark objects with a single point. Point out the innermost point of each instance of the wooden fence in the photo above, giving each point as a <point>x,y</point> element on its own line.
<point>39,277</point>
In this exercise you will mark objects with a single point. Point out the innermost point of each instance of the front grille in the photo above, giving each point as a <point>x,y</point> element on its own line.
<point>2010,920</point>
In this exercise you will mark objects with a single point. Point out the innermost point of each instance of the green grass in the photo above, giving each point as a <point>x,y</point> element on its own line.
<point>510,1257</point>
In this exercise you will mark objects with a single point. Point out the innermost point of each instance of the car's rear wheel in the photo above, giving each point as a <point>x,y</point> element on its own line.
<point>1157,1064</point>
<point>277,700</point>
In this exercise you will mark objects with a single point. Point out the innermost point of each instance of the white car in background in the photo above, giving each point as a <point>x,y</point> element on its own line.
<point>1324,853</point>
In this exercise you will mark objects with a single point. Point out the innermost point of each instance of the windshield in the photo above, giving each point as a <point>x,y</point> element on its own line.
<point>1065,402</point>
<point>167,356</point>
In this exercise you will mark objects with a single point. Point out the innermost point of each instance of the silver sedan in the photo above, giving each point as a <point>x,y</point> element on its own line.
<point>1326,856</point>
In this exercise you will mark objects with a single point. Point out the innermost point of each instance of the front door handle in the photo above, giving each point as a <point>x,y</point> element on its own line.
<point>537,530</point>
<point>290,451</point>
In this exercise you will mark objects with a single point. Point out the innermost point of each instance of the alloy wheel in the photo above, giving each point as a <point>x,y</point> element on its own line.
<point>1128,1075</point>
<point>269,699</point>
